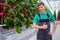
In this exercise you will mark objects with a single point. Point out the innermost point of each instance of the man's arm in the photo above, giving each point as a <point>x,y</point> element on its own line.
<point>52,19</point>
<point>54,26</point>
<point>39,27</point>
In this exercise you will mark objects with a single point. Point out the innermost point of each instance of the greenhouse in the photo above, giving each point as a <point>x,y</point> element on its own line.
<point>17,18</point>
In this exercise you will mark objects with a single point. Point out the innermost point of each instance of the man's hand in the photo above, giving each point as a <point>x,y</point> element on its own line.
<point>44,26</point>
<point>51,33</point>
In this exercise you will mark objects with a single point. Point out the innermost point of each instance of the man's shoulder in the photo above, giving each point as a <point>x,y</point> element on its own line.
<point>49,13</point>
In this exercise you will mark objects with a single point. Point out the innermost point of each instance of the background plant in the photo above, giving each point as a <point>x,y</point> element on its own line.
<point>59,15</point>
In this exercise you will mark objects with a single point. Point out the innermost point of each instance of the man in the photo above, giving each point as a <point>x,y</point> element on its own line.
<point>42,21</point>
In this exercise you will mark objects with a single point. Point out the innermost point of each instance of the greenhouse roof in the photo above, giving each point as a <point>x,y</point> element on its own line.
<point>53,4</point>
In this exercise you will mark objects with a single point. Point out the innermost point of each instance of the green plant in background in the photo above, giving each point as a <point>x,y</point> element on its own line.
<point>47,9</point>
<point>55,14</point>
<point>20,13</point>
<point>59,15</point>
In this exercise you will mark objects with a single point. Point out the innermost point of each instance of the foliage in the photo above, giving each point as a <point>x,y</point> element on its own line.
<point>19,13</point>
<point>59,15</point>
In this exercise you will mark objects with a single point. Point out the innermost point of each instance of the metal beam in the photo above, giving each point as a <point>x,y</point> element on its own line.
<point>49,4</point>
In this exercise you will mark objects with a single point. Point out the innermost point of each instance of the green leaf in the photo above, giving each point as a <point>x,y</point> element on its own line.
<point>30,13</point>
<point>22,3</point>
<point>21,23</point>
<point>11,11</point>
<point>19,29</point>
<point>6,1</point>
<point>22,15</point>
<point>18,7</point>
<point>15,20</point>
<point>30,25</point>
<point>24,19</point>
<point>28,19</point>
<point>7,20</point>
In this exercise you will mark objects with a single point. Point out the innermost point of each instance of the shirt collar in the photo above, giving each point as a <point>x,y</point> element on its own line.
<point>43,13</point>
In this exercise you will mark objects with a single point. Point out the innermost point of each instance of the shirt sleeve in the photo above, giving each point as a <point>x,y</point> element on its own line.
<point>52,18</point>
<point>35,20</point>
